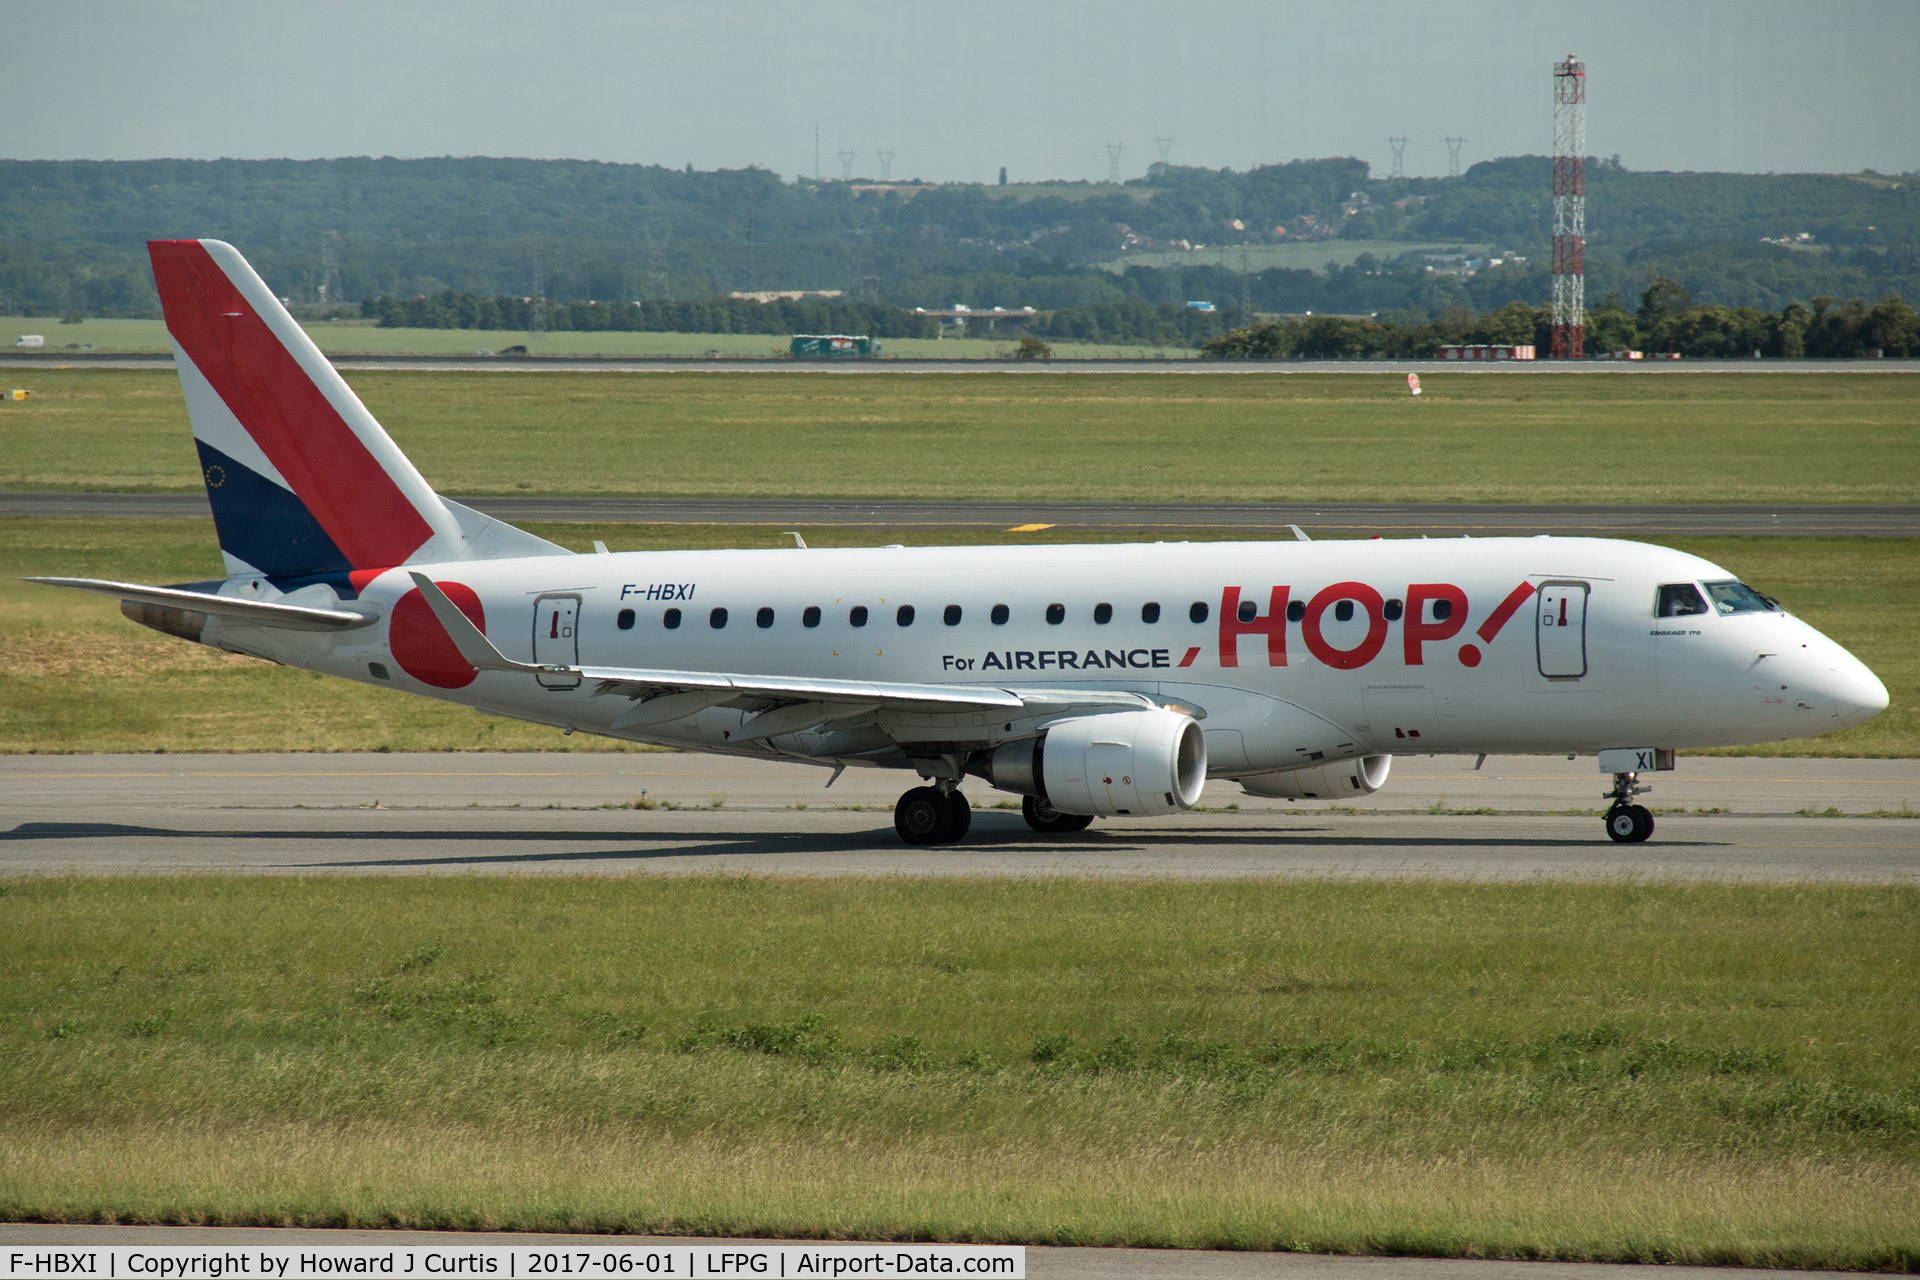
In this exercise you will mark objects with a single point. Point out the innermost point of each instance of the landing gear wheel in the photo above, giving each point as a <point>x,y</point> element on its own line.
<point>1629,823</point>
<point>1049,821</point>
<point>923,816</point>
<point>962,817</point>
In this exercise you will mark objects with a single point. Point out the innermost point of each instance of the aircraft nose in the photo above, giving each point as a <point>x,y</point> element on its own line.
<point>1858,695</point>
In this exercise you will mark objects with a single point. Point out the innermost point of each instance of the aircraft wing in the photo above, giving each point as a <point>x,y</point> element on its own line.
<point>260,613</point>
<point>786,703</point>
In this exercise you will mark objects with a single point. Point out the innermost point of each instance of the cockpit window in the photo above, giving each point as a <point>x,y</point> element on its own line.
<point>1678,600</point>
<point>1738,597</point>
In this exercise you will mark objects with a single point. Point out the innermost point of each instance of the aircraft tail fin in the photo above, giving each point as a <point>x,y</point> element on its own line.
<point>305,484</point>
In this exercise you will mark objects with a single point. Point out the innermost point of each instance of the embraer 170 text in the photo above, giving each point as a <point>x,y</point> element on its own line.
<point>1092,680</point>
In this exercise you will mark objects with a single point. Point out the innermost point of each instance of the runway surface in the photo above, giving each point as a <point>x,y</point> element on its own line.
<point>1044,1262</point>
<point>1320,520</point>
<point>546,814</point>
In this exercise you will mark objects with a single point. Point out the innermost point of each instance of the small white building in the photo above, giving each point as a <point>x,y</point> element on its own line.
<point>1462,352</point>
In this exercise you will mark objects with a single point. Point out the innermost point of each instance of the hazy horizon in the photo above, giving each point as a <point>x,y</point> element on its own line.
<point>1716,85</point>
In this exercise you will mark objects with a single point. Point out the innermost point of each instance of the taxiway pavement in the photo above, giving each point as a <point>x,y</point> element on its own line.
<point>1258,520</point>
<point>1720,818</point>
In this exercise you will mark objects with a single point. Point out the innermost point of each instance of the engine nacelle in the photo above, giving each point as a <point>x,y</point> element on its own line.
<point>1139,763</point>
<point>1333,781</point>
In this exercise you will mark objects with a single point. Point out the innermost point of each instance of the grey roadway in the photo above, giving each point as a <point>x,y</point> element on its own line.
<point>734,364</point>
<point>1328,520</point>
<point>1044,1262</point>
<point>388,814</point>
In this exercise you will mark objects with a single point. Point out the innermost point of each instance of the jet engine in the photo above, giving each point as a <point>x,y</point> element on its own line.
<point>1139,763</point>
<point>1333,781</point>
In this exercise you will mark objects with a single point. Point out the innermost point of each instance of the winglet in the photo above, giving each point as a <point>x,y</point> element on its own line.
<point>1299,534</point>
<point>469,639</point>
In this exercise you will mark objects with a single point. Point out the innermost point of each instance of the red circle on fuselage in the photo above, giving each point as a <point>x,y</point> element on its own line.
<point>1469,655</point>
<point>422,646</point>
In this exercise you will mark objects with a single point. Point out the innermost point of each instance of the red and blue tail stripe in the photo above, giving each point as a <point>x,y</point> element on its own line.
<point>305,484</point>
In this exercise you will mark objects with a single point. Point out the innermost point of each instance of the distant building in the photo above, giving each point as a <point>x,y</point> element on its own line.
<point>1461,352</point>
<point>791,295</point>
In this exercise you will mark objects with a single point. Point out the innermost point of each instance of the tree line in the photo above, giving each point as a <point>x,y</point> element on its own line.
<point>71,232</point>
<point>1667,322</point>
<point>451,310</point>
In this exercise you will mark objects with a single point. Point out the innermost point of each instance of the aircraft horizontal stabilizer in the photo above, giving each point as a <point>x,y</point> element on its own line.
<point>259,613</point>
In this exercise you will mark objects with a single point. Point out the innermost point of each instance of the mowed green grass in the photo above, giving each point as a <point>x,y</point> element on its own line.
<point>1707,1073</point>
<point>76,676</point>
<point>1680,438</point>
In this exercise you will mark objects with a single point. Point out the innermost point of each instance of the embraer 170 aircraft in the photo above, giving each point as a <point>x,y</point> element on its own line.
<point>1092,680</point>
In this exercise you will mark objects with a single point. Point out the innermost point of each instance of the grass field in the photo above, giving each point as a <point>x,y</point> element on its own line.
<point>76,676</point>
<point>1296,437</point>
<point>1713,1073</point>
<point>354,338</point>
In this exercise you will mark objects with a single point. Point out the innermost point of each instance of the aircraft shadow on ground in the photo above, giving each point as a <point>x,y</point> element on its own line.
<point>984,838</point>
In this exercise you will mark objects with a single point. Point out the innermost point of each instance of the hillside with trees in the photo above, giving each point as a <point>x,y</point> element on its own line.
<point>72,233</point>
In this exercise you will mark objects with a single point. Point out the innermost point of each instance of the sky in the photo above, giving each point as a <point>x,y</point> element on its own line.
<point>957,90</point>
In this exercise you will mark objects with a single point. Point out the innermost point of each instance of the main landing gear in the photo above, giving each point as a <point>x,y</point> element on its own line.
<point>939,814</point>
<point>1627,822</point>
<point>933,815</point>
<point>1049,821</point>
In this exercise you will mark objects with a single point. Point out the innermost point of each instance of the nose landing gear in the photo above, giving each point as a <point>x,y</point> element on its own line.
<point>1627,822</point>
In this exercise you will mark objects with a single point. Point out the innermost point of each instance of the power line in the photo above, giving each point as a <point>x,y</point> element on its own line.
<point>1113,160</point>
<point>1399,146</point>
<point>886,165</point>
<point>1453,155</point>
<point>846,165</point>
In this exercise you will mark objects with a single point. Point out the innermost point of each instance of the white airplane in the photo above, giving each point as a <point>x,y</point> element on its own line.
<point>1092,680</point>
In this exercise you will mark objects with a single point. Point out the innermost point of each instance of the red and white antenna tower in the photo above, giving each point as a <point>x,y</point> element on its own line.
<point>1569,209</point>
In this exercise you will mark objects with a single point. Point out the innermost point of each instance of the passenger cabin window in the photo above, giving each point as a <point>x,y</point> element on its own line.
<point>1248,611</point>
<point>1391,611</point>
<point>763,619</point>
<point>624,620</point>
<point>1198,613</point>
<point>670,619</point>
<point>1343,612</point>
<point>1738,597</point>
<point>811,618</point>
<point>717,619</point>
<point>857,616</point>
<point>1678,600</point>
<point>1149,613</point>
<point>999,615</point>
<point>905,616</point>
<point>1296,610</point>
<point>1103,614</point>
<point>1442,610</point>
<point>951,616</point>
<point>1056,614</point>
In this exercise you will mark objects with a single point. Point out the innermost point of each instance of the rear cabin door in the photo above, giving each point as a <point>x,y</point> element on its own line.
<point>556,637</point>
<point>1562,630</point>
